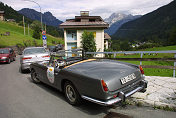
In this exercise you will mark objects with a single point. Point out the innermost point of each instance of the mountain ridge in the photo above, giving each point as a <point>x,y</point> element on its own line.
<point>47,17</point>
<point>155,26</point>
<point>116,20</point>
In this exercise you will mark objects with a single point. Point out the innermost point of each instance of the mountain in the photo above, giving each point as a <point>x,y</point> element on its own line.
<point>116,20</point>
<point>10,13</point>
<point>156,26</point>
<point>47,17</point>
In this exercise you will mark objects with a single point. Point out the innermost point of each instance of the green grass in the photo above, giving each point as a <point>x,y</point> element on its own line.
<point>152,71</point>
<point>17,35</point>
<point>161,48</point>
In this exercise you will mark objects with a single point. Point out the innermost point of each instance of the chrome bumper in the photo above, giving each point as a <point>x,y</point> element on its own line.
<point>121,96</point>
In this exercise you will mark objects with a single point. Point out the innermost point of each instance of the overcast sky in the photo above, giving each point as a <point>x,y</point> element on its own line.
<point>65,9</point>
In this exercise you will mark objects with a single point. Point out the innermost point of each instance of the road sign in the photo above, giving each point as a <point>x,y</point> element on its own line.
<point>44,37</point>
<point>43,32</point>
<point>44,44</point>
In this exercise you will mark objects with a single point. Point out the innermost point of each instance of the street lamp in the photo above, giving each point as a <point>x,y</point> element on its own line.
<point>40,10</point>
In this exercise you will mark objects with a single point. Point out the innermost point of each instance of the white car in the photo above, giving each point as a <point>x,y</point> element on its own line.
<point>31,55</point>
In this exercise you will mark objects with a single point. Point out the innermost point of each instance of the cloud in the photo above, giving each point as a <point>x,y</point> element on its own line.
<point>64,9</point>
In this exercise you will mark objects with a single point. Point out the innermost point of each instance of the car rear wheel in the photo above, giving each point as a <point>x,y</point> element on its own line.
<point>71,94</point>
<point>34,77</point>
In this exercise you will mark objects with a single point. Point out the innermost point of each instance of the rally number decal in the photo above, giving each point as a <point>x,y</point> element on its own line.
<point>50,74</point>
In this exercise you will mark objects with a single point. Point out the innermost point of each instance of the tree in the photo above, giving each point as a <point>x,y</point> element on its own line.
<point>125,46</point>
<point>172,37</point>
<point>88,42</point>
<point>37,29</point>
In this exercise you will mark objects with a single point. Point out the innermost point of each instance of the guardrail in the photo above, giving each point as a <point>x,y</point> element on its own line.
<point>141,58</point>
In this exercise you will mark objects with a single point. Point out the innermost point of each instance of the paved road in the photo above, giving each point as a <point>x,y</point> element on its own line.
<point>20,98</point>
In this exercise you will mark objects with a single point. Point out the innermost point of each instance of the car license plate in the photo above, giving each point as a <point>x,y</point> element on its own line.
<point>128,78</point>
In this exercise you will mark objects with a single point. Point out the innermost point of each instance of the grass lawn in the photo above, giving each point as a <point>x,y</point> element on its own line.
<point>17,35</point>
<point>152,71</point>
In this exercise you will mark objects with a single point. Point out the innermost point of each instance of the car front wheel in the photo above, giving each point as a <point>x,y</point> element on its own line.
<point>71,94</point>
<point>34,77</point>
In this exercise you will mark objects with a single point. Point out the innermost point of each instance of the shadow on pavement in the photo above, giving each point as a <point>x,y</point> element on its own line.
<point>86,106</point>
<point>116,115</point>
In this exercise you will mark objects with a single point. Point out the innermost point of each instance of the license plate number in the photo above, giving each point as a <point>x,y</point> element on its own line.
<point>128,78</point>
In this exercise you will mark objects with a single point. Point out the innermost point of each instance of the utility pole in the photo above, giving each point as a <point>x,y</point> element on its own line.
<point>40,11</point>
<point>28,29</point>
<point>24,25</point>
<point>45,27</point>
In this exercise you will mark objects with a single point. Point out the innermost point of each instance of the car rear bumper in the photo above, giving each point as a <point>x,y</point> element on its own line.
<point>25,66</point>
<point>121,96</point>
<point>3,60</point>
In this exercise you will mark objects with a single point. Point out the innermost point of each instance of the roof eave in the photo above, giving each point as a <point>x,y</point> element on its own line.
<point>84,26</point>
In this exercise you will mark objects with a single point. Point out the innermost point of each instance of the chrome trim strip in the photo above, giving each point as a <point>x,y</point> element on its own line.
<point>134,91</point>
<point>111,101</point>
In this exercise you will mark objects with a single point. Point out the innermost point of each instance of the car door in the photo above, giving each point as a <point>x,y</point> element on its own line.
<point>52,76</point>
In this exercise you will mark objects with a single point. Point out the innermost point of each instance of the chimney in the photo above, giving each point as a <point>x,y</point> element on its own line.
<point>84,13</point>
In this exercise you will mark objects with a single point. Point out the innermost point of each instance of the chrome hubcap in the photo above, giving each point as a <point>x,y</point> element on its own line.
<point>35,76</point>
<point>70,93</point>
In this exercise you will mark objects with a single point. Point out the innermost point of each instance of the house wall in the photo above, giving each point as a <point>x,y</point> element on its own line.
<point>1,17</point>
<point>106,44</point>
<point>99,40</point>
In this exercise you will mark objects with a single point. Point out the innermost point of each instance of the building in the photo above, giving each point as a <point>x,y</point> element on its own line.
<point>73,29</point>
<point>107,39</point>
<point>2,15</point>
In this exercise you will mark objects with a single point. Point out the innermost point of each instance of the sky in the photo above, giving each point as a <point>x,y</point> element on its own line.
<point>66,9</point>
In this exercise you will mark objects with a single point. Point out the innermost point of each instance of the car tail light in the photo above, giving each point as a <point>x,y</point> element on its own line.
<point>46,56</point>
<point>141,69</point>
<point>26,58</point>
<point>114,96</point>
<point>105,88</point>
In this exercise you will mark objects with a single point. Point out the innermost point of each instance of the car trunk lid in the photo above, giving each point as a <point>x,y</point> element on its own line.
<point>36,57</point>
<point>112,72</point>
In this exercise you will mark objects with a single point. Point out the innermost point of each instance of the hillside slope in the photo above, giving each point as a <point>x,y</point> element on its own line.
<point>153,26</point>
<point>17,36</point>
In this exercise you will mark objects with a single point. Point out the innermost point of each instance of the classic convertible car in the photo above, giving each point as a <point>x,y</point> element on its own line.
<point>101,81</point>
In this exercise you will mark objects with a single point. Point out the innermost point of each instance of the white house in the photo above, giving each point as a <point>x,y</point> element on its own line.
<point>73,29</point>
<point>2,15</point>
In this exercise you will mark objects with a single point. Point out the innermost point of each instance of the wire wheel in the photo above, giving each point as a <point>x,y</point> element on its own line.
<point>34,77</point>
<point>71,94</point>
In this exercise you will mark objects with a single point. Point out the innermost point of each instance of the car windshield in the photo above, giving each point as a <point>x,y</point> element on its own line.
<point>34,50</point>
<point>4,51</point>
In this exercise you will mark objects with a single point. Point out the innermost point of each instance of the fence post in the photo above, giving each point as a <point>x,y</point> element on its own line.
<point>174,67</point>
<point>114,55</point>
<point>141,57</point>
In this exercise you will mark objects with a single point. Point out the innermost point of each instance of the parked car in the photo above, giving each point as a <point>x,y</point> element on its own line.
<point>59,47</point>
<point>31,55</point>
<point>7,55</point>
<point>52,48</point>
<point>101,81</point>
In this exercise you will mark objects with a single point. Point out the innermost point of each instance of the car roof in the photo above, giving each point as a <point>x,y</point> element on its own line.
<point>32,47</point>
<point>5,48</point>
